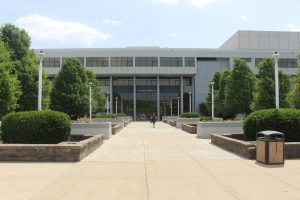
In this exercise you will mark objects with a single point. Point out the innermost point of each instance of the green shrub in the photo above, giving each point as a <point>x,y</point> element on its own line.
<point>286,121</point>
<point>206,119</point>
<point>36,127</point>
<point>190,115</point>
<point>110,116</point>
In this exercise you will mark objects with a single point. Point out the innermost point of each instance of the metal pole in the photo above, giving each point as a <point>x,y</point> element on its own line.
<point>41,55</point>
<point>116,105</point>
<point>190,101</point>
<point>276,57</point>
<point>90,83</point>
<point>178,98</point>
<point>212,100</point>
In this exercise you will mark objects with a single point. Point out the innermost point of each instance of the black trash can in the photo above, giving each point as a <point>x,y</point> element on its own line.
<point>270,147</point>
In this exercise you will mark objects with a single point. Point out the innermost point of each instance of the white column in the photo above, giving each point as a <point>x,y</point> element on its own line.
<point>178,106</point>
<point>90,84</point>
<point>158,61</point>
<point>171,105</point>
<point>40,85</point>
<point>158,99</point>
<point>276,57</point>
<point>84,61</point>
<point>107,103</point>
<point>134,98</point>
<point>60,60</point>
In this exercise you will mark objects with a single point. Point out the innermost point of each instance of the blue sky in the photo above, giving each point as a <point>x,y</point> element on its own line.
<point>163,23</point>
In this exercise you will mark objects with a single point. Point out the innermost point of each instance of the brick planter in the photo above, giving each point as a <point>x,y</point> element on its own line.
<point>247,149</point>
<point>172,123</point>
<point>115,129</point>
<point>62,152</point>
<point>204,129</point>
<point>190,128</point>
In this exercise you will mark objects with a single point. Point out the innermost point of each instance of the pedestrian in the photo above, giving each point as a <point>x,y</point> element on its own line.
<point>153,119</point>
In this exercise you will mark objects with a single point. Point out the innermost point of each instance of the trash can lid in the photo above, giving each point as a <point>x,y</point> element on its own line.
<point>270,134</point>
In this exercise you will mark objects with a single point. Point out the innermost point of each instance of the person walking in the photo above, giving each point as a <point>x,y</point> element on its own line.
<point>153,119</point>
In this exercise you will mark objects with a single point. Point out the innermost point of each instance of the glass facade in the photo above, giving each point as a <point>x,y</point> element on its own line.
<point>189,62</point>
<point>146,61</point>
<point>123,95</point>
<point>51,62</point>
<point>171,62</point>
<point>97,61</point>
<point>121,61</point>
<point>169,91</point>
<point>146,97</point>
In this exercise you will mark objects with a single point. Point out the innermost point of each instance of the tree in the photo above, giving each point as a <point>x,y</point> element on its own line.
<point>70,92</point>
<point>294,95</point>
<point>265,91</point>
<point>17,41</point>
<point>239,89</point>
<point>220,96</point>
<point>25,67</point>
<point>9,85</point>
<point>98,98</point>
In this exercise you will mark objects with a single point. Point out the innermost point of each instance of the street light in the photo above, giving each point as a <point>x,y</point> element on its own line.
<point>212,100</point>
<point>190,101</point>
<point>107,103</point>
<point>90,83</point>
<point>41,56</point>
<point>276,58</point>
<point>116,105</point>
<point>178,98</point>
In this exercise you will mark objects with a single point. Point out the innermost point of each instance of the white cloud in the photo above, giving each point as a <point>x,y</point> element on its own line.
<point>45,28</point>
<point>112,22</point>
<point>244,18</point>
<point>172,35</point>
<point>293,27</point>
<point>197,3</point>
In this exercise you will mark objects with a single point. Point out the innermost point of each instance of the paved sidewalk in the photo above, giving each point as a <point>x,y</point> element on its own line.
<point>162,163</point>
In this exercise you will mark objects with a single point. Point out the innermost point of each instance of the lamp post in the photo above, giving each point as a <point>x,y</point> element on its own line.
<point>190,101</point>
<point>41,56</point>
<point>212,100</point>
<point>178,98</point>
<point>276,58</point>
<point>107,103</point>
<point>116,105</point>
<point>90,83</point>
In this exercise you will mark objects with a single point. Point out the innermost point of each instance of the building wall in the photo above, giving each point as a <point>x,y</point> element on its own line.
<point>206,69</point>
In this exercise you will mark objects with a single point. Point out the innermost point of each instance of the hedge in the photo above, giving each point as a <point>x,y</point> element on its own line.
<point>190,115</point>
<point>36,127</point>
<point>110,115</point>
<point>286,121</point>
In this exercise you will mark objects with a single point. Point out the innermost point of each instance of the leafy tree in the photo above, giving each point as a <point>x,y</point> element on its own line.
<point>203,109</point>
<point>239,89</point>
<point>294,95</point>
<point>70,92</point>
<point>265,95</point>
<point>220,96</point>
<point>17,40</point>
<point>98,98</point>
<point>9,85</point>
<point>25,67</point>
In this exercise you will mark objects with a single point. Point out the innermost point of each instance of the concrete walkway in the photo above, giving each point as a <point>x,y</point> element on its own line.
<point>161,163</point>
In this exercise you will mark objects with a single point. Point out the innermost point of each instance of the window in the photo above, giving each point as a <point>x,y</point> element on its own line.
<point>171,62</point>
<point>81,59</point>
<point>104,81</point>
<point>206,59</point>
<point>97,61</point>
<point>246,59</point>
<point>189,62</point>
<point>282,62</point>
<point>51,62</point>
<point>121,61</point>
<point>146,61</point>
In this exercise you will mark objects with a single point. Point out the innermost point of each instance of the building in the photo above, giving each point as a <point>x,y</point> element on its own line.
<point>142,80</point>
